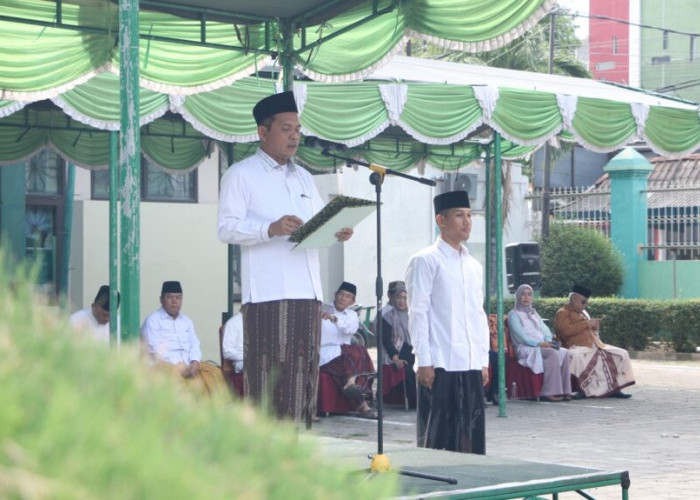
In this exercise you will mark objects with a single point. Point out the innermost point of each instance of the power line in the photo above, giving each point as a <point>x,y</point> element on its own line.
<point>629,23</point>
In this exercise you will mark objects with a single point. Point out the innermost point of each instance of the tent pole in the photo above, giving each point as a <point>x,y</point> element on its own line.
<point>114,333</point>
<point>546,179</point>
<point>286,54</point>
<point>498,230</point>
<point>130,166</point>
<point>68,203</point>
<point>229,252</point>
<point>488,213</point>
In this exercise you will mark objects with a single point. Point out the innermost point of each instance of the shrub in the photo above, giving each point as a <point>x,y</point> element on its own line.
<point>572,254</point>
<point>633,323</point>
<point>79,420</point>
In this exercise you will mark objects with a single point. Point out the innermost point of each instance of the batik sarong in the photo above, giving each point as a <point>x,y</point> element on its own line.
<point>601,372</point>
<point>281,344</point>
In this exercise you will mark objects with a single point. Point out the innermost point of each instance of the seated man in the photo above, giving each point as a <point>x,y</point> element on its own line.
<point>601,369</point>
<point>349,365</point>
<point>95,319</point>
<point>232,351</point>
<point>171,340</point>
<point>232,343</point>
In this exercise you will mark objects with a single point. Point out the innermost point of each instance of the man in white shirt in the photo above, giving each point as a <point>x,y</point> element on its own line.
<point>264,199</point>
<point>232,343</point>
<point>170,338</point>
<point>95,319</point>
<point>348,364</point>
<point>450,333</point>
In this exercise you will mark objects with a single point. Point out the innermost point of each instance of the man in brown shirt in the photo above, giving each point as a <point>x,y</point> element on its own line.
<point>600,369</point>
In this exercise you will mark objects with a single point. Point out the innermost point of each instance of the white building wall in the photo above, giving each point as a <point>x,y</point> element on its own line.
<point>178,242</point>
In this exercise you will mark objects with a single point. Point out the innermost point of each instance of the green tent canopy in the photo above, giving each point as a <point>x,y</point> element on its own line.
<point>410,111</point>
<point>52,46</point>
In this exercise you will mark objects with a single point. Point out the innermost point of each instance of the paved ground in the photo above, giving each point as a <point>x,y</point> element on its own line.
<point>655,435</point>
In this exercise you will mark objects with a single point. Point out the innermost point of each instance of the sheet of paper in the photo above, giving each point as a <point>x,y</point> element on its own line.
<point>324,236</point>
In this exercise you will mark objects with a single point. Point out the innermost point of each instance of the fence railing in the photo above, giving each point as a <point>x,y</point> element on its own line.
<point>673,215</point>
<point>673,221</point>
<point>583,206</point>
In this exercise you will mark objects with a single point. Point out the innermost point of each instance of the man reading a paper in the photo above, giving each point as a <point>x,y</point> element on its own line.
<point>264,199</point>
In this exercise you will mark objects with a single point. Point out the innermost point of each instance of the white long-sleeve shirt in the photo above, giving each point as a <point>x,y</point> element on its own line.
<point>256,192</point>
<point>447,322</point>
<point>333,335</point>
<point>172,340</point>
<point>232,343</point>
<point>85,320</point>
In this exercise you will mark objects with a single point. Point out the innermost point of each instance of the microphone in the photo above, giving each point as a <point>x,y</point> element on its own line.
<point>315,142</point>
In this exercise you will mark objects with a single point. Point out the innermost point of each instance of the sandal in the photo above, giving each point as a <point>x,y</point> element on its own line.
<point>551,399</point>
<point>369,414</point>
<point>353,392</point>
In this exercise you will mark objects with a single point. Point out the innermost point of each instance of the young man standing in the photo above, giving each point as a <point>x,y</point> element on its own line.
<point>450,333</point>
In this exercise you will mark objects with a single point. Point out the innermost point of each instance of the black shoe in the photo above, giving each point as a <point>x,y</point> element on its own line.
<point>579,395</point>
<point>621,395</point>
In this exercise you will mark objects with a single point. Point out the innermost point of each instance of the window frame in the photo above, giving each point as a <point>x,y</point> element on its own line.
<point>143,191</point>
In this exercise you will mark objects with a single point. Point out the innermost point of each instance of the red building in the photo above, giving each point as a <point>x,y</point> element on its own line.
<point>609,41</point>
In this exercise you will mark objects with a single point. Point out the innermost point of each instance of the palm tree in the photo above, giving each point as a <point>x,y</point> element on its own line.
<point>528,53</point>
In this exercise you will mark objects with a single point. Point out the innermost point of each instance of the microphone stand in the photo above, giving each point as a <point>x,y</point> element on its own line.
<point>380,462</point>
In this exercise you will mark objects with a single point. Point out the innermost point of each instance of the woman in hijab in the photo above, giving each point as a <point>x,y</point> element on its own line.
<point>398,351</point>
<point>536,348</point>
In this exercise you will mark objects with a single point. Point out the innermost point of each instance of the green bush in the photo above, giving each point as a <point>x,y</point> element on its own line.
<point>633,323</point>
<point>575,255</point>
<point>78,420</point>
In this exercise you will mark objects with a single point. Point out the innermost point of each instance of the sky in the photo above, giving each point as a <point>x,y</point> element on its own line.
<point>581,7</point>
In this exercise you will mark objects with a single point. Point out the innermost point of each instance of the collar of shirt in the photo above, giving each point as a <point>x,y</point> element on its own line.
<point>271,164</point>
<point>164,314</point>
<point>451,251</point>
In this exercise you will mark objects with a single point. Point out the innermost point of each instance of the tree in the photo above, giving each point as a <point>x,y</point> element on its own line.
<point>572,254</point>
<point>528,53</point>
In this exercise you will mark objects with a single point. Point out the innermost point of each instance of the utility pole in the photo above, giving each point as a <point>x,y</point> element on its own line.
<point>547,147</point>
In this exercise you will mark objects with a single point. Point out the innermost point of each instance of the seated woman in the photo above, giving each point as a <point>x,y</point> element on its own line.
<point>535,348</point>
<point>398,351</point>
<point>349,365</point>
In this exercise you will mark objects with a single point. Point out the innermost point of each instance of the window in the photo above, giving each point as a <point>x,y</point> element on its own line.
<point>99,180</point>
<point>693,48</point>
<point>614,45</point>
<point>156,184</point>
<point>660,60</point>
<point>665,40</point>
<point>44,173</point>
<point>44,176</point>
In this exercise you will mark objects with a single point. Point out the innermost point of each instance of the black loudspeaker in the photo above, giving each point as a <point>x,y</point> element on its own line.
<point>523,265</point>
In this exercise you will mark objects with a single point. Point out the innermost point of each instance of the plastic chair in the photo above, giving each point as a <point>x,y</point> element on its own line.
<point>528,384</point>
<point>330,398</point>
<point>394,386</point>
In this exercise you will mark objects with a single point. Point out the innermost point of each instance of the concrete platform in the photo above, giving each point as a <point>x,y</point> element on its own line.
<point>655,435</point>
<point>476,476</point>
